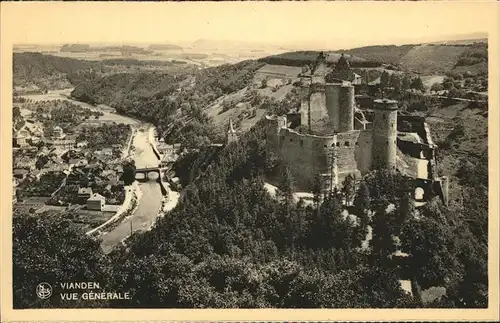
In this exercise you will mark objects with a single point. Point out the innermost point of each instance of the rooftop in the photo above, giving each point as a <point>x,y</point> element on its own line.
<point>96,197</point>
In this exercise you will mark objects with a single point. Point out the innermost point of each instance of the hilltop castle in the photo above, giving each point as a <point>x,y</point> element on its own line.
<point>330,136</point>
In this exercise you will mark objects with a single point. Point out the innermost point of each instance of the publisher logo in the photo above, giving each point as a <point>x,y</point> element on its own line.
<point>43,290</point>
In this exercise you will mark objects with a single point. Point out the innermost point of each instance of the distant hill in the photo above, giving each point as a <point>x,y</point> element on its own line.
<point>432,58</point>
<point>301,58</point>
<point>164,47</point>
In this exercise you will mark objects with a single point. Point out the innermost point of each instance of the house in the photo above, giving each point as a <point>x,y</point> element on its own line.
<point>57,133</point>
<point>81,163</point>
<point>96,202</point>
<point>118,169</point>
<point>84,193</point>
<point>82,144</point>
<point>170,149</point>
<point>20,173</point>
<point>107,152</point>
<point>24,162</point>
<point>21,137</point>
<point>73,161</point>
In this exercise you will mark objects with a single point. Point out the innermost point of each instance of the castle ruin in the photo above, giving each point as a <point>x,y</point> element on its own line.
<point>332,137</point>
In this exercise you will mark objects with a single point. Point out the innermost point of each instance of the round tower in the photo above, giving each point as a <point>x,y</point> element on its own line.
<point>346,107</point>
<point>384,134</point>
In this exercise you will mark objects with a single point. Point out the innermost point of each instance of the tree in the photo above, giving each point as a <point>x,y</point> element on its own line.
<point>349,189</point>
<point>437,87</point>
<point>50,249</point>
<point>396,81</point>
<point>263,83</point>
<point>16,112</point>
<point>285,188</point>
<point>432,259</point>
<point>417,84</point>
<point>385,79</point>
<point>128,175</point>
<point>317,189</point>
<point>406,82</point>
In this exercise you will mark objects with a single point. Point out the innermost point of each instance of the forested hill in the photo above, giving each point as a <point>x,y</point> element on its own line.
<point>170,98</point>
<point>33,67</point>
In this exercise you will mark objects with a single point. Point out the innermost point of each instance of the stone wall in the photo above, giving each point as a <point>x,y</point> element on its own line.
<point>363,151</point>
<point>346,145</point>
<point>306,156</point>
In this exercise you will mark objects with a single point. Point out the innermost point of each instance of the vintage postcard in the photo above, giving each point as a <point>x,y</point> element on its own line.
<point>249,161</point>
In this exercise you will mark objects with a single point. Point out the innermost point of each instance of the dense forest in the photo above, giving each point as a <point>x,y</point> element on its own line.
<point>228,243</point>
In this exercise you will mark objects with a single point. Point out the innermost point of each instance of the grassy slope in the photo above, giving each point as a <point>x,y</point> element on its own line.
<point>432,59</point>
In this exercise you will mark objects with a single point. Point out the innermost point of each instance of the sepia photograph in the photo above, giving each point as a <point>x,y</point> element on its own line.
<point>249,156</point>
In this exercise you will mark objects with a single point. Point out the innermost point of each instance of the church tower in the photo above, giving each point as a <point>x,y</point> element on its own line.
<point>231,134</point>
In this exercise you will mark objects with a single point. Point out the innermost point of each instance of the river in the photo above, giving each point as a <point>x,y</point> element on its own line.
<point>150,192</point>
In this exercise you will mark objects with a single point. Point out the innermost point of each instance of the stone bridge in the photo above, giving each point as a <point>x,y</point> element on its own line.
<point>145,171</point>
<point>148,170</point>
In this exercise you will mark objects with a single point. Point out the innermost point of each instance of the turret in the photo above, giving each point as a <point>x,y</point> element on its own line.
<point>384,149</point>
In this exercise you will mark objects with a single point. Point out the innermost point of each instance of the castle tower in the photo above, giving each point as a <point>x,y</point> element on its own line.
<point>332,104</point>
<point>231,134</point>
<point>384,134</point>
<point>304,110</point>
<point>346,108</point>
<point>318,113</point>
<point>320,69</point>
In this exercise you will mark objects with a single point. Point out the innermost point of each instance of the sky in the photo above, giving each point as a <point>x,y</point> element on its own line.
<point>318,24</point>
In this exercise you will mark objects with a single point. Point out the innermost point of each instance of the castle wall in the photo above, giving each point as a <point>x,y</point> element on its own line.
<point>346,108</point>
<point>332,104</point>
<point>363,151</point>
<point>346,161</point>
<point>306,156</point>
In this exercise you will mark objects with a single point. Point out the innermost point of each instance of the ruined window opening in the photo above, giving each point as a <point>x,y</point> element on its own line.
<point>325,146</point>
<point>357,143</point>
<point>387,142</point>
<point>346,143</point>
<point>337,144</point>
<point>291,140</point>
